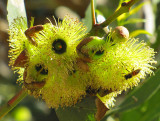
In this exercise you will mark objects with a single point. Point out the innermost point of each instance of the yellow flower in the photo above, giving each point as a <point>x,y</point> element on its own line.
<point>54,63</point>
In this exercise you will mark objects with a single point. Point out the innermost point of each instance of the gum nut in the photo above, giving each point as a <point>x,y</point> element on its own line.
<point>120,34</point>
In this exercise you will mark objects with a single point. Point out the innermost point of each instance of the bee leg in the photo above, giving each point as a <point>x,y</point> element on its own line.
<point>30,32</point>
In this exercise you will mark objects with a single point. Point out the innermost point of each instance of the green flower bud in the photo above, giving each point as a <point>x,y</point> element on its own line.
<point>91,47</point>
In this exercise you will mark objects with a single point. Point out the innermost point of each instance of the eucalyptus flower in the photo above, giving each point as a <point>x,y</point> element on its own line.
<point>62,64</point>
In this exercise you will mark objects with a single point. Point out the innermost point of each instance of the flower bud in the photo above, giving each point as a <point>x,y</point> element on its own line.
<point>93,47</point>
<point>120,34</point>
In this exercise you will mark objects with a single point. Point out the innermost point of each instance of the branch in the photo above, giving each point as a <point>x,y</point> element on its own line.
<point>12,103</point>
<point>125,7</point>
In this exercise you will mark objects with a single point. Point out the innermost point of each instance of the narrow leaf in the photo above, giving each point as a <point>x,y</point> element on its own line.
<point>134,20</point>
<point>138,32</point>
<point>148,111</point>
<point>137,8</point>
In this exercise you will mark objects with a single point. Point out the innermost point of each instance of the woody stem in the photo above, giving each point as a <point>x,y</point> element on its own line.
<point>93,13</point>
<point>12,103</point>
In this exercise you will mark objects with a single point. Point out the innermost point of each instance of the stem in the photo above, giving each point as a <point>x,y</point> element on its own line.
<point>97,28</point>
<point>123,9</point>
<point>93,13</point>
<point>12,103</point>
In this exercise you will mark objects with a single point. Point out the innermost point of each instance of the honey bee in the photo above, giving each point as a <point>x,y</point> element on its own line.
<point>133,73</point>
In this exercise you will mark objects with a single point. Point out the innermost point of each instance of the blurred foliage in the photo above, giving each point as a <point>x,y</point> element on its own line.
<point>35,110</point>
<point>22,114</point>
<point>148,111</point>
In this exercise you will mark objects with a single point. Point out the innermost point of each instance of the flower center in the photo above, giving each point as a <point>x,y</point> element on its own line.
<point>59,46</point>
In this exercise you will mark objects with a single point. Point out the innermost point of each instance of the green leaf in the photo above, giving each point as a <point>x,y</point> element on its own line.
<point>139,95</point>
<point>148,111</point>
<point>138,32</point>
<point>15,9</point>
<point>83,111</point>
<point>133,20</point>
